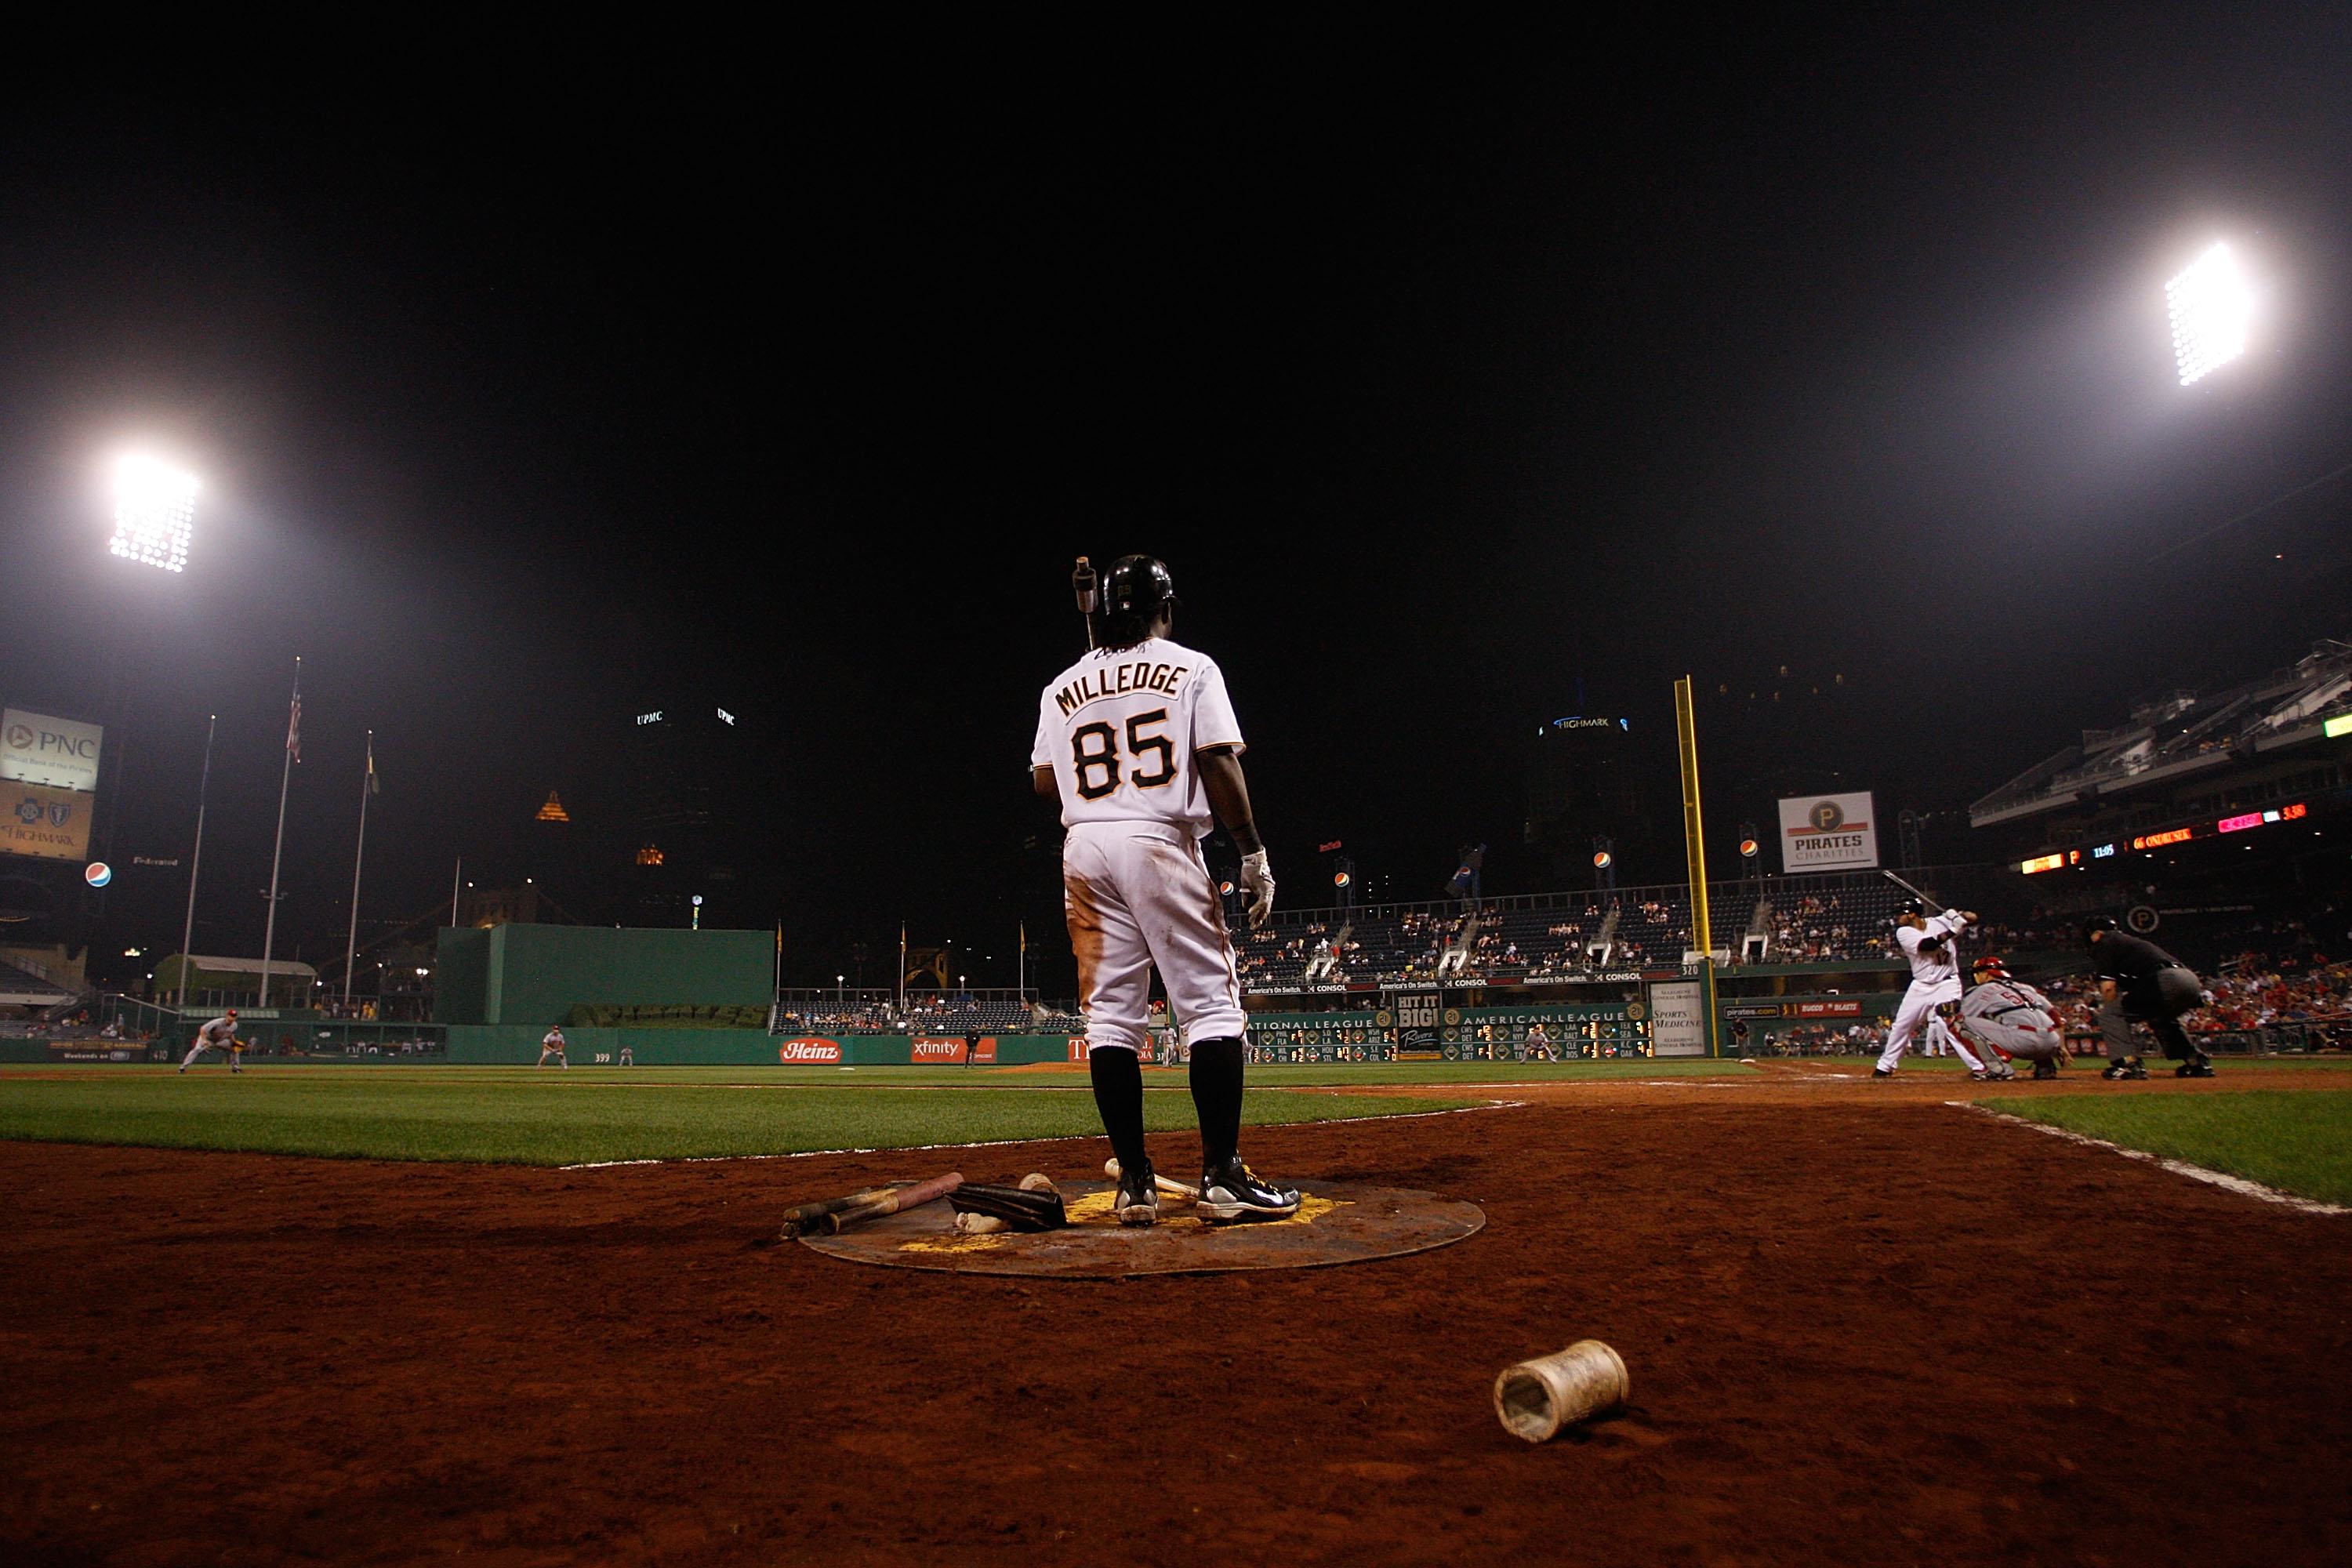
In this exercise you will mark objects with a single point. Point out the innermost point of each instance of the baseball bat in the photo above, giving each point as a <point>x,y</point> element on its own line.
<point>804,1217</point>
<point>1082,581</point>
<point>905,1198</point>
<point>1169,1184</point>
<point>1907,888</point>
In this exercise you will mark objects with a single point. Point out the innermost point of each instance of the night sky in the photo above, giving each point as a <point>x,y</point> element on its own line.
<point>1452,374</point>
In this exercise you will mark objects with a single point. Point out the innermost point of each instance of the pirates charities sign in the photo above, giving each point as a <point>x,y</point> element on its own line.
<point>1828,832</point>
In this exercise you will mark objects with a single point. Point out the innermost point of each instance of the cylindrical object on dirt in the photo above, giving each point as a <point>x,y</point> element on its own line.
<point>1537,1398</point>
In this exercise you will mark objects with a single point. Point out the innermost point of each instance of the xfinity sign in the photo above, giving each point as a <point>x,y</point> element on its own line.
<point>36,749</point>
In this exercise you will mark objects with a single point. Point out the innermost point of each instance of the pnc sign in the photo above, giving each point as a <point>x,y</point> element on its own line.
<point>37,749</point>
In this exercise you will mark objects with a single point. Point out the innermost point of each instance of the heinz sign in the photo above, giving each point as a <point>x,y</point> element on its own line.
<point>807,1053</point>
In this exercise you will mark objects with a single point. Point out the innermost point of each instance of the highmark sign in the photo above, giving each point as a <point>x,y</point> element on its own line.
<point>36,749</point>
<point>53,824</point>
<point>1828,832</point>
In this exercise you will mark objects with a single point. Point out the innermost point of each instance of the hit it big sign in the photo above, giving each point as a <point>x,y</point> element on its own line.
<point>1828,832</point>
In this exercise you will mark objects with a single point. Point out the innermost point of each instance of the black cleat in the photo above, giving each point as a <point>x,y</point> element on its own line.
<point>1882,1072</point>
<point>2199,1065</point>
<point>2044,1068</point>
<point>1137,1203</point>
<point>2128,1067</point>
<point>1233,1191</point>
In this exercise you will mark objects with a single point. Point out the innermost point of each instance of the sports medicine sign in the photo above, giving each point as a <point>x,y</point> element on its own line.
<point>1828,832</point>
<point>36,749</point>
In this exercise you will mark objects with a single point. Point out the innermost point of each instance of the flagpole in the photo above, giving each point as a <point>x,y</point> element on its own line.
<point>195,862</point>
<point>902,969</point>
<point>359,858</point>
<point>1021,980</point>
<point>277,851</point>
<point>455,878</point>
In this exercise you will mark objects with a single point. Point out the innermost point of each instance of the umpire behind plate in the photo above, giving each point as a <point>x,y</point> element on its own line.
<point>2139,982</point>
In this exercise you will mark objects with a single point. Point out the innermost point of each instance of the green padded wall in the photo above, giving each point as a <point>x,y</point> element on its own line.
<point>534,975</point>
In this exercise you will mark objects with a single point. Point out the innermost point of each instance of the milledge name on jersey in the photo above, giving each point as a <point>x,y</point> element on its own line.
<point>1119,729</point>
<point>1093,685</point>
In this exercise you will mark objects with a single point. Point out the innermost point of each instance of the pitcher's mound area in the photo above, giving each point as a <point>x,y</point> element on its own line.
<point>1338,1222</point>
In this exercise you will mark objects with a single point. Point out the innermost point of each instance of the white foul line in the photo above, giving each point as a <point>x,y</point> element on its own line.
<point>2221,1179</point>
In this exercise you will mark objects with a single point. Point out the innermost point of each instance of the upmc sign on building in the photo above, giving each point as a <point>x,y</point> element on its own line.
<point>1828,832</point>
<point>36,749</point>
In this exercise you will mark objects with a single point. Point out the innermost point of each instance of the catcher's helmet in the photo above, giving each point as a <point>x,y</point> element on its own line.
<point>1990,964</point>
<point>1133,592</point>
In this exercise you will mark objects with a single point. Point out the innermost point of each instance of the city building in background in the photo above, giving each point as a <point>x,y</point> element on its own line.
<point>682,793</point>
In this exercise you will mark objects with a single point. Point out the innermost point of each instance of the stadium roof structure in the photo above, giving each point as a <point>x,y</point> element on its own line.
<point>2183,735</point>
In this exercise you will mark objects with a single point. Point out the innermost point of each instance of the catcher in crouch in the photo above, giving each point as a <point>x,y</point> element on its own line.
<point>2010,1020</point>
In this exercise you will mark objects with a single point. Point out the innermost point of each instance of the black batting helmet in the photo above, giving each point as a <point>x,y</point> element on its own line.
<point>1908,907</point>
<point>2096,925</point>
<point>1134,591</point>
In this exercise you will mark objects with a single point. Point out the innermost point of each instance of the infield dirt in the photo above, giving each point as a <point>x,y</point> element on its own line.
<point>1859,1330</point>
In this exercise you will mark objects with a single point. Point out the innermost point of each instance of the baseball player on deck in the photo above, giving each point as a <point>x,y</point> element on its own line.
<point>1139,743</point>
<point>220,1034</point>
<point>1932,944</point>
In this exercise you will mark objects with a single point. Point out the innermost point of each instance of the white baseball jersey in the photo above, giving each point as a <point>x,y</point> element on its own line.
<point>1940,966</point>
<point>1119,727</point>
<point>219,1032</point>
<point>552,1040</point>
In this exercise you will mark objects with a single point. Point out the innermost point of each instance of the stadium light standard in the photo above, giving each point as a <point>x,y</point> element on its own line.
<point>154,513</point>
<point>2211,306</point>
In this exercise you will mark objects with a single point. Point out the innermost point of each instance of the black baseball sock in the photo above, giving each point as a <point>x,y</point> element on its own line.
<point>1119,1097</point>
<point>1217,1098</point>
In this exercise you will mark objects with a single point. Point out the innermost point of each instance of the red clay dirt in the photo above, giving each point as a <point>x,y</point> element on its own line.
<point>1888,1332</point>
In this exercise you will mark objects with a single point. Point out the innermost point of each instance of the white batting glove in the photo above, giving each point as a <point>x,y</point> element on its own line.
<point>1257,882</point>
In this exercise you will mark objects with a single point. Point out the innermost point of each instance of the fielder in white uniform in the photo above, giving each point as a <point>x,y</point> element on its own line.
<point>552,1044</point>
<point>1932,944</point>
<point>220,1034</point>
<point>1139,743</point>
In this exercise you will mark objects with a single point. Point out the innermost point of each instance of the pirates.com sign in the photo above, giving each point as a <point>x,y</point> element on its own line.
<point>1828,832</point>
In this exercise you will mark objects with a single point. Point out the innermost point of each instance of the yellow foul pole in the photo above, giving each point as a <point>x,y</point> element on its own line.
<point>1694,839</point>
<point>1695,851</point>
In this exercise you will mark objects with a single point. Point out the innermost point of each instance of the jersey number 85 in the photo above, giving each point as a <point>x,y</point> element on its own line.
<point>1094,748</point>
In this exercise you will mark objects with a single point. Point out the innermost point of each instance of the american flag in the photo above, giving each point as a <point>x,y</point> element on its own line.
<point>294,727</point>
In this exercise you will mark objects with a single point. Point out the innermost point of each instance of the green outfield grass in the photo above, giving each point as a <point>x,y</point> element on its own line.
<point>2298,1140</point>
<point>518,1116</point>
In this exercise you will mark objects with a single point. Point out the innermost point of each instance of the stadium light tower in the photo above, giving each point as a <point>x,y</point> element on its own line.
<point>154,513</point>
<point>2209,305</point>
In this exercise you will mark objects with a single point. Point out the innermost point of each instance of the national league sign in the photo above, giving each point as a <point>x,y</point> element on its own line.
<point>1828,832</point>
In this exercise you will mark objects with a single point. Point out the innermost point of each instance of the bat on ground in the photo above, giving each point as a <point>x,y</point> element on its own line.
<point>1169,1184</point>
<point>893,1203</point>
<point>805,1216</point>
<point>1082,581</point>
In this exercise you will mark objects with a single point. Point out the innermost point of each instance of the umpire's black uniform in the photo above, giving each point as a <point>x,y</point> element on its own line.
<point>2153,988</point>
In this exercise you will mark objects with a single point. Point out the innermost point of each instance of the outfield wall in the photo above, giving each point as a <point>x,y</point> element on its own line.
<point>516,1045</point>
<point>534,975</point>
